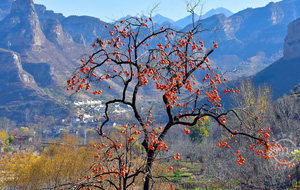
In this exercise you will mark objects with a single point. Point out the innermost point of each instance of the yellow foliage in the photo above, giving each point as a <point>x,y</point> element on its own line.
<point>254,102</point>
<point>296,154</point>
<point>3,135</point>
<point>118,128</point>
<point>91,130</point>
<point>25,129</point>
<point>62,162</point>
<point>223,138</point>
<point>205,131</point>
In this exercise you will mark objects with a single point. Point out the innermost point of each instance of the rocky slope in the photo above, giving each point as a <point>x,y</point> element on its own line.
<point>21,99</point>
<point>21,28</point>
<point>43,56</point>
<point>84,28</point>
<point>47,57</point>
<point>40,42</point>
<point>44,14</point>
<point>283,75</point>
<point>292,41</point>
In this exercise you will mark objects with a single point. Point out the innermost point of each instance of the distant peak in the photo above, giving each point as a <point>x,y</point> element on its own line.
<point>158,14</point>
<point>160,19</point>
<point>219,10</point>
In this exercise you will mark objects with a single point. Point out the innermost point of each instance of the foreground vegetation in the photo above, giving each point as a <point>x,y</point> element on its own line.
<point>67,161</point>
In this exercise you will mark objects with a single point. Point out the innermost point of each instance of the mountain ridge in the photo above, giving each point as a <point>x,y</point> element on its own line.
<point>258,33</point>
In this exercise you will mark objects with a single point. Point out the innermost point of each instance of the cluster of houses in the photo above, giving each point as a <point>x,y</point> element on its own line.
<point>87,114</point>
<point>90,111</point>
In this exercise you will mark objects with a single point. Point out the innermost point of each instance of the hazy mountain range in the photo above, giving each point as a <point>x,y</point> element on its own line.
<point>39,49</point>
<point>181,23</point>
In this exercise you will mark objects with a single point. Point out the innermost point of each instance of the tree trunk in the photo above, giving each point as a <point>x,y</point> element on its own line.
<point>150,160</point>
<point>298,173</point>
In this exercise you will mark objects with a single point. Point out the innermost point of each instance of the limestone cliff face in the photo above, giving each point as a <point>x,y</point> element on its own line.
<point>292,40</point>
<point>283,75</point>
<point>14,78</point>
<point>88,27</point>
<point>44,14</point>
<point>21,99</point>
<point>31,61</point>
<point>12,70</point>
<point>45,43</point>
<point>21,27</point>
<point>55,33</point>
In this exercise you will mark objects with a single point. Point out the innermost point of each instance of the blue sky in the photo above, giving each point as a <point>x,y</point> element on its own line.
<point>107,10</point>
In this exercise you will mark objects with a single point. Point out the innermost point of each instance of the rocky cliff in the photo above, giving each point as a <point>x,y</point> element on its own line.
<point>44,14</point>
<point>56,34</point>
<point>47,56</point>
<point>292,41</point>
<point>38,56</point>
<point>283,75</point>
<point>12,70</point>
<point>36,42</point>
<point>21,99</point>
<point>84,26</point>
<point>21,28</point>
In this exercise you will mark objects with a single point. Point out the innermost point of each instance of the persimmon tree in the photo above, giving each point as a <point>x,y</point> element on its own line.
<point>137,55</point>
